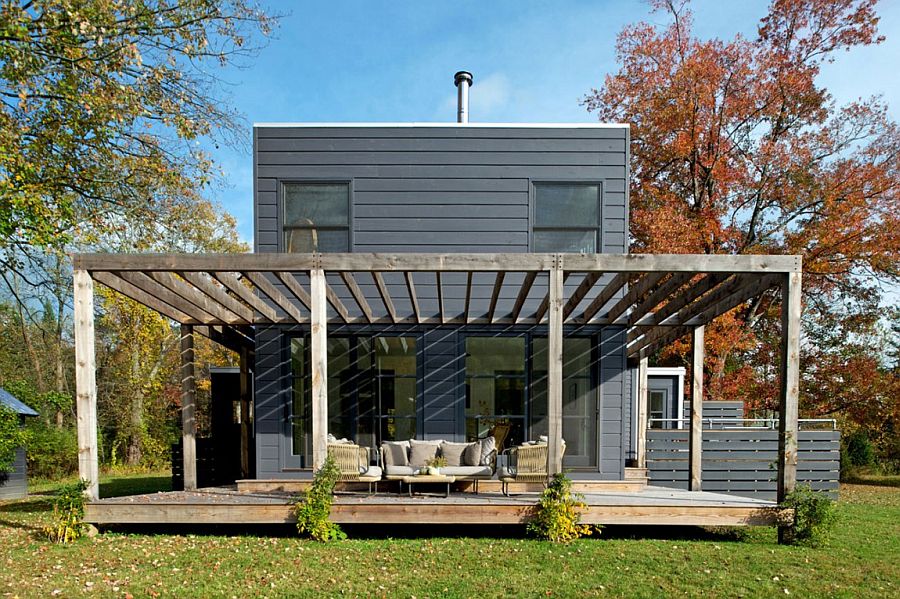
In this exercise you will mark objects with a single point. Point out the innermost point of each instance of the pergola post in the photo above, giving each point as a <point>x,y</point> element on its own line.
<point>319,362</point>
<point>790,385</point>
<point>86,383</point>
<point>642,423</point>
<point>188,409</point>
<point>695,444</point>
<point>245,411</point>
<point>554,369</point>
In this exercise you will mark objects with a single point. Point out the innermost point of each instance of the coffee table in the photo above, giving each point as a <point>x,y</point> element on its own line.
<point>429,479</point>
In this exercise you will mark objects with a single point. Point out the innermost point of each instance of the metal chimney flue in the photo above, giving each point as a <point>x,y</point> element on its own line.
<point>463,81</point>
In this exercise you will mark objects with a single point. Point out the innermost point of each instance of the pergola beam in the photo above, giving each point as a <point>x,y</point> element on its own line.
<point>204,283</point>
<point>439,284</point>
<point>468,301</point>
<point>618,281</point>
<point>142,297</point>
<point>293,285</point>
<point>659,294</point>
<point>145,283</point>
<point>196,297</point>
<point>639,289</point>
<point>590,279</point>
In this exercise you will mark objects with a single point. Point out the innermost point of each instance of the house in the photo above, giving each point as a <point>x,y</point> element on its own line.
<point>436,281</point>
<point>14,485</point>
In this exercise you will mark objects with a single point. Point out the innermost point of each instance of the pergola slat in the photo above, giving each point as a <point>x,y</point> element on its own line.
<point>336,303</point>
<point>440,296</point>
<point>358,295</point>
<point>465,316</point>
<point>604,296</point>
<point>233,284</point>
<point>411,287</point>
<point>260,281</point>
<point>670,286</point>
<point>293,285</point>
<point>495,295</point>
<point>143,281</point>
<point>590,279</point>
<point>523,296</point>
<point>202,282</point>
<point>641,287</point>
<point>385,296</point>
<point>142,297</point>
<point>196,297</point>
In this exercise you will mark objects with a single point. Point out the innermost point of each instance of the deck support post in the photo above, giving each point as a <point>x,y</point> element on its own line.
<point>642,422</point>
<point>188,409</point>
<point>319,360</point>
<point>554,369</point>
<point>695,444</point>
<point>86,383</point>
<point>790,386</point>
<point>245,411</point>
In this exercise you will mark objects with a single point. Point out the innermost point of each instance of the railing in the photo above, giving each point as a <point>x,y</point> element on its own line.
<point>722,423</point>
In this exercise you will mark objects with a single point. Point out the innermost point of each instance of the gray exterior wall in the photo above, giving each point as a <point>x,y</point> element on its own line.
<point>439,189</point>
<point>16,485</point>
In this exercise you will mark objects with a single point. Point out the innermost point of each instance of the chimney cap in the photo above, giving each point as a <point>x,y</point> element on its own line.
<point>462,76</point>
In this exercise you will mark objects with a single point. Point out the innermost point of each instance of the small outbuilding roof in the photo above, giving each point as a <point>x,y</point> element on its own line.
<point>7,400</point>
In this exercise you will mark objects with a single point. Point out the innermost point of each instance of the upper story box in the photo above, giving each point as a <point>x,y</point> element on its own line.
<point>440,187</point>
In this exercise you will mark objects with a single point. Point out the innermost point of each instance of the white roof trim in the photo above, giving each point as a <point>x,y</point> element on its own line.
<point>461,125</point>
<point>667,371</point>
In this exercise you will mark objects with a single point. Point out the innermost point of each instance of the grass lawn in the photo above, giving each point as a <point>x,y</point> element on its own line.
<point>862,560</point>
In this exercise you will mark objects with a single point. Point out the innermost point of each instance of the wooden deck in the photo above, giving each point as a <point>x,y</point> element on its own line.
<point>652,505</point>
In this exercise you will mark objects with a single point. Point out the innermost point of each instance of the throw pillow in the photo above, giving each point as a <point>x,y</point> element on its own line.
<point>453,452</point>
<point>395,453</point>
<point>420,451</point>
<point>472,455</point>
<point>488,444</point>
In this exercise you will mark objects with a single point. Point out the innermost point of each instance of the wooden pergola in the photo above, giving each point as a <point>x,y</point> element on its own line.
<point>655,298</point>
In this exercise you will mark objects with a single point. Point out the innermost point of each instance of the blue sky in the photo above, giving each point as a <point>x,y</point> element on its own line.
<point>532,61</point>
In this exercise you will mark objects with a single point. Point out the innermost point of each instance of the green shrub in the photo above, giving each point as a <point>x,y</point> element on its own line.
<point>314,509</point>
<point>52,452</point>
<point>12,437</point>
<point>68,514</point>
<point>557,516</point>
<point>814,515</point>
<point>858,450</point>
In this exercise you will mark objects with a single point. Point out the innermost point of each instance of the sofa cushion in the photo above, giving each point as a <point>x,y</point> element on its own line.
<point>396,453</point>
<point>453,452</point>
<point>472,454</point>
<point>420,451</point>
<point>399,470</point>
<point>372,474</point>
<point>463,471</point>
<point>488,444</point>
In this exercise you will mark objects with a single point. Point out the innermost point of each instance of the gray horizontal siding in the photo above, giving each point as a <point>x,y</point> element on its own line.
<point>16,485</point>
<point>743,461</point>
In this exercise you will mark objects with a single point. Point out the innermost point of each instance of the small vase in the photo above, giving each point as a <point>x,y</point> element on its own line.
<point>434,471</point>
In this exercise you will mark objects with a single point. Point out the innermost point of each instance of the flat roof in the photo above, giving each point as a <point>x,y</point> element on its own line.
<point>452,124</point>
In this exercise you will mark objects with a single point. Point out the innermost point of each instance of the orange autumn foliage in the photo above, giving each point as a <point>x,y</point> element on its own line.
<point>737,149</point>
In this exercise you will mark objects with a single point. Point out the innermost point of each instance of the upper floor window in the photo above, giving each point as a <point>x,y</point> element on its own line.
<point>316,217</point>
<point>566,217</point>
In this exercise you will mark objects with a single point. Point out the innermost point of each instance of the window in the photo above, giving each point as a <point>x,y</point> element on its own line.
<point>579,400</point>
<point>658,408</point>
<point>566,217</point>
<point>495,386</point>
<point>316,217</point>
<point>372,391</point>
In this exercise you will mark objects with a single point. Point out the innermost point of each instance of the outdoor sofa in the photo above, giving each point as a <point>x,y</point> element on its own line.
<point>472,461</point>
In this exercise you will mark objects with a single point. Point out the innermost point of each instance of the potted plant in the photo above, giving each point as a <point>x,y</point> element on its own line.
<point>433,466</point>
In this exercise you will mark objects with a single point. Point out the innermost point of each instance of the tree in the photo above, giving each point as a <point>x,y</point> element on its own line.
<point>101,102</point>
<point>736,149</point>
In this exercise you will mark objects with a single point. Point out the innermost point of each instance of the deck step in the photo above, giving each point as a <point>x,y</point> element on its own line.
<point>639,474</point>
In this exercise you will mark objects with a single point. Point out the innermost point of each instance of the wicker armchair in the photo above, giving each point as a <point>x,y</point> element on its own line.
<point>353,462</point>
<point>525,464</point>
